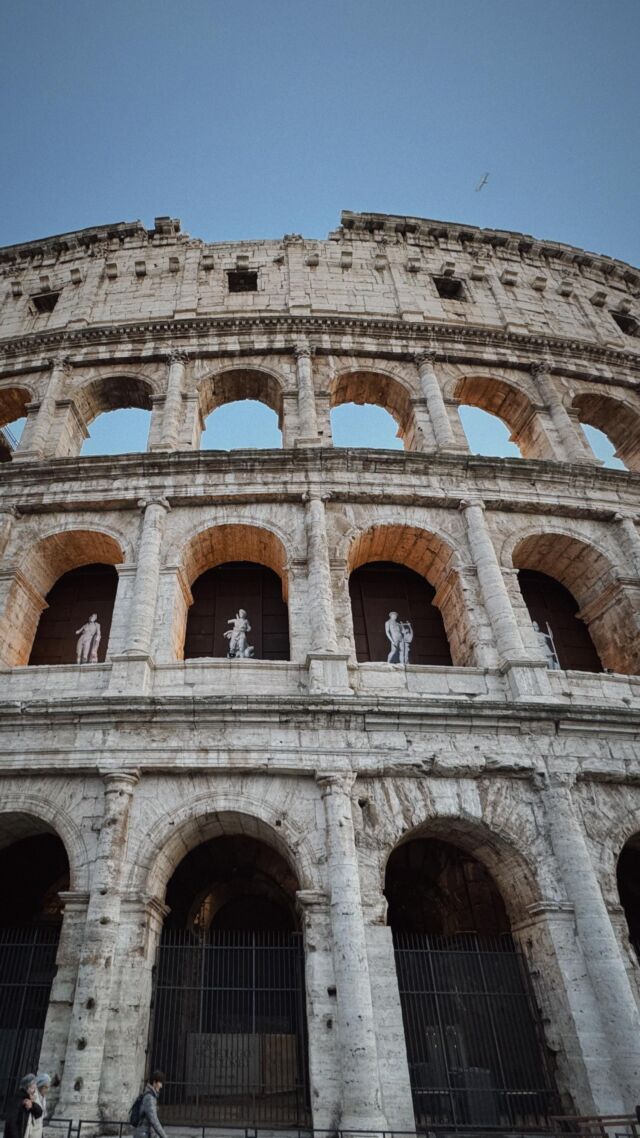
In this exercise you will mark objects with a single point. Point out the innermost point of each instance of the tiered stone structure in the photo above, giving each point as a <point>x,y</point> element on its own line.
<point>332,762</point>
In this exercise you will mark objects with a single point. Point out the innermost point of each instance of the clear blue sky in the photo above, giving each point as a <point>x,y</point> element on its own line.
<point>254,118</point>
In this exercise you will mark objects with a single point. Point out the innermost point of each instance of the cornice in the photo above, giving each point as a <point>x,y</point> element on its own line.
<point>438,337</point>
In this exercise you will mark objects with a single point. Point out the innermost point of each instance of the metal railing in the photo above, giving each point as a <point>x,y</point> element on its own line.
<point>27,968</point>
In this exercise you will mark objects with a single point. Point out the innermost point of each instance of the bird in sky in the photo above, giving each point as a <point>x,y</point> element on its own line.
<point>483,181</point>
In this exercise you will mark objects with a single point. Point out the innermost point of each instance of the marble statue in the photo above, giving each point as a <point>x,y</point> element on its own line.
<point>545,640</point>
<point>237,637</point>
<point>399,634</point>
<point>88,641</point>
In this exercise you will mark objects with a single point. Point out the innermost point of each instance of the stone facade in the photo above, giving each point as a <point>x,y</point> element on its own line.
<point>333,763</point>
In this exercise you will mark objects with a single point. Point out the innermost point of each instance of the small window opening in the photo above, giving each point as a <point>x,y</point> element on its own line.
<point>627,324</point>
<point>242,280</point>
<point>45,301</point>
<point>449,288</point>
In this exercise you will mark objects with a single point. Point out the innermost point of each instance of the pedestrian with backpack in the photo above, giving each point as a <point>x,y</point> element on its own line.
<point>144,1112</point>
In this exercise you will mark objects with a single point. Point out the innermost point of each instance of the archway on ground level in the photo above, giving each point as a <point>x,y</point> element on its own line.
<point>109,396</point>
<point>509,405</point>
<point>370,387</point>
<point>628,875</point>
<point>428,556</point>
<point>34,869</point>
<point>246,387</point>
<point>604,607</point>
<point>382,587</point>
<point>13,408</point>
<point>37,572</point>
<point>471,1029</point>
<point>73,599</point>
<point>240,552</point>
<point>554,610</point>
<point>229,1023</point>
<point>617,421</point>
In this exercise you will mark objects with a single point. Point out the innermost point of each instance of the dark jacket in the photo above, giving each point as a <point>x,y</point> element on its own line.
<point>18,1116</point>
<point>149,1120</point>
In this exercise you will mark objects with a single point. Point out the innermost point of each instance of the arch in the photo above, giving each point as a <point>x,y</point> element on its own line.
<point>23,815</point>
<point>619,422</point>
<point>362,386</point>
<point>37,571</point>
<point>509,404</point>
<point>112,392</point>
<point>628,883</point>
<point>233,384</point>
<point>587,573</point>
<point>13,405</point>
<point>434,559</point>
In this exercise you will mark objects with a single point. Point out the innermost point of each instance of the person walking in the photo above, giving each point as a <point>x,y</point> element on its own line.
<point>23,1110</point>
<point>43,1082</point>
<point>148,1116</point>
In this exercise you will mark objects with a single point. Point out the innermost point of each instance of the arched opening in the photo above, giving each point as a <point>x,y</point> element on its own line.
<point>499,419</point>
<point>242,408</point>
<point>416,634</point>
<point>564,637</point>
<point>358,389</point>
<point>605,611</point>
<point>619,424</point>
<point>13,410</point>
<point>34,869</point>
<point>228,568</point>
<point>471,1028</point>
<point>122,407</point>
<point>435,604</point>
<point>43,617</point>
<point>628,875</point>
<point>229,1023</point>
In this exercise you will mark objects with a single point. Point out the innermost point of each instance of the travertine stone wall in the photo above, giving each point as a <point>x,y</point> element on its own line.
<point>136,761</point>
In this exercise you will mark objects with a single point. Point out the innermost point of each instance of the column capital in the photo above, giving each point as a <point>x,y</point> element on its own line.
<point>540,367</point>
<point>303,350</point>
<point>312,900</point>
<point>143,503</point>
<point>335,782</point>
<point>468,503</point>
<point>425,356</point>
<point>178,356</point>
<point>123,780</point>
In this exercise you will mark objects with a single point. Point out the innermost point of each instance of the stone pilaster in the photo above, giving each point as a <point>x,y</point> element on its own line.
<point>436,407</point>
<point>92,998</point>
<point>147,576</point>
<point>321,1005</point>
<point>307,417</point>
<point>574,445</point>
<point>361,1099</point>
<point>38,442</point>
<point>7,517</point>
<point>630,542</point>
<point>61,997</point>
<point>619,1017</point>
<point>327,666</point>
<point>172,416</point>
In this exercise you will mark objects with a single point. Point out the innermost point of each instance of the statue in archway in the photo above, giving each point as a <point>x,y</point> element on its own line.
<point>237,637</point>
<point>546,642</point>
<point>399,633</point>
<point>89,636</point>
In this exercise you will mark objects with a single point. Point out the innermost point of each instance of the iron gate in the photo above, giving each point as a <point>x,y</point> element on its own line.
<point>228,1028</point>
<point>27,969</point>
<point>473,1036</point>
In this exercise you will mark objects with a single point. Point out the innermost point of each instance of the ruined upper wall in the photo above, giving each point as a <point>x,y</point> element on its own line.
<point>373,266</point>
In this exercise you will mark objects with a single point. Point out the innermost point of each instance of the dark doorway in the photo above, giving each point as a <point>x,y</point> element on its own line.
<point>382,587</point>
<point>72,600</point>
<point>219,593</point>
<point>550,603</point>
<point>473,1035</point>
<point>33,870</point>
<point>228,1020</point>
<point>628,873</point>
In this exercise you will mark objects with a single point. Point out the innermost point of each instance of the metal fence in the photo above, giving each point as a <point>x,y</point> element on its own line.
<point>228,1027</point>
<point>27,969</point>
<point>473,1036</point>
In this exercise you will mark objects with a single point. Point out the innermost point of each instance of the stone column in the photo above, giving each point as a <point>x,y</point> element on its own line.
<point>492,584</point>
<point>320,992</point>
<point>361,1100</point>
<point>575,447</point>
<point>147,576</point>
<point>307,418</point>
<point>327,666</point>
<point>630,542</point>
<point>173,412</point>
<point>38,443</point>
<point>605,967</point>
<point>92,1003</point>
<point>438,414</point>
<point>59,1011</point>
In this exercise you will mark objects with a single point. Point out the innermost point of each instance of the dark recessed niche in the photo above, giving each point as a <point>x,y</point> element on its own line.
<point>45,301</point>
<point>627,324</point>
<point>449,288</point>
<point>242,280</point>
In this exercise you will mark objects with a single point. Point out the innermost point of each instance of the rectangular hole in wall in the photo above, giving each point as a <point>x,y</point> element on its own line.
<point>242,280</point>
<point>449,288</point>
<point>45,301</point>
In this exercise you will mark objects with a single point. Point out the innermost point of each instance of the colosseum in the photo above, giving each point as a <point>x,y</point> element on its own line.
<point>370,861</point>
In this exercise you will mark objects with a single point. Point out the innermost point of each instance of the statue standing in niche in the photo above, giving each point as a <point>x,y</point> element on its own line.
<point>237,637</point>
<point>545,640</point>
<point>399,634</point>
<point>88,641</point>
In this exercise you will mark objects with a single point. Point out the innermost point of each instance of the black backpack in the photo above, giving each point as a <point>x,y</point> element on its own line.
<point>136,1113</point>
